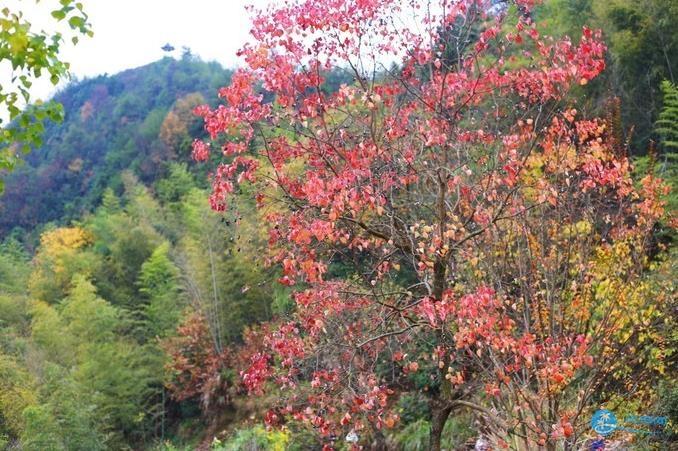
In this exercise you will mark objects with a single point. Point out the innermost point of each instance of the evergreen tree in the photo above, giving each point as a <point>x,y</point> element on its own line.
<point>667,125</point>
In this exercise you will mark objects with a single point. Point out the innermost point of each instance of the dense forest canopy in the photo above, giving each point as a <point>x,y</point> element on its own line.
<point>112,123</point>
<point>471,245</point>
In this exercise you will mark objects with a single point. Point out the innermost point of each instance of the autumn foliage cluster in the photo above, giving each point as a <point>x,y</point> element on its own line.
<point>497,248</point>
<point>196,370</point>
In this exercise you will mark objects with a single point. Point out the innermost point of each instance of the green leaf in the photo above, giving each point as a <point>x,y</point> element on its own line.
<point>25,81</point>
<point>59,14</point>
<point>76,22</point>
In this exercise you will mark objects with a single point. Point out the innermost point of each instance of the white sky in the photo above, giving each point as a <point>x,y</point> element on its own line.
<point>129,33</point>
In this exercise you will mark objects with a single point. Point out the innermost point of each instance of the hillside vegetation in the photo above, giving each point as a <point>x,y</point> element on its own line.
<point>266,265</point>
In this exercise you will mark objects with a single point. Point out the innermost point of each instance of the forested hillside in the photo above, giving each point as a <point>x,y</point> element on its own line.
<point>140,120</point>
<point>84,323</point>
<point>472,246</point>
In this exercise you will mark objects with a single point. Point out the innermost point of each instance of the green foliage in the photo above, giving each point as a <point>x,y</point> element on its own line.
<point>225,277</point>
<point>111,374</point>
<point>16,394</point>
<point>302,437</point>
<point>127,238</point>
<point>14,273</point>
<point>415,436</point>
<point>178,183</point>
<point>65,420</point>
<point>48,332</point>
<point>86,318</point>
<point>89,318</point>
<point>665,163</point>
<point>644,48</point>
<point>413,406</point>
<point>121,379</point>
<point>159,283</point>
<point>253,439</point>
<point>644,51</point>
<point>667,124</point>
<point>14,269</point>
<point>668,406</point>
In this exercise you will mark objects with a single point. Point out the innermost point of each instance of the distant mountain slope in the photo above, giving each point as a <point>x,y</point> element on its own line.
<point>138,119</point>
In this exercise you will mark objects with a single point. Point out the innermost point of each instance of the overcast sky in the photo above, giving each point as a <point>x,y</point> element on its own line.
<point>130,33</point>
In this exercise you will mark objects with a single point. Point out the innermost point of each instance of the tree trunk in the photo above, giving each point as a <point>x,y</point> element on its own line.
<point>439,415</point>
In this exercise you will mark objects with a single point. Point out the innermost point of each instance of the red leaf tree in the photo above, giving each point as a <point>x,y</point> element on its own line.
<point>447,220</point>
<point>195,369</point>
